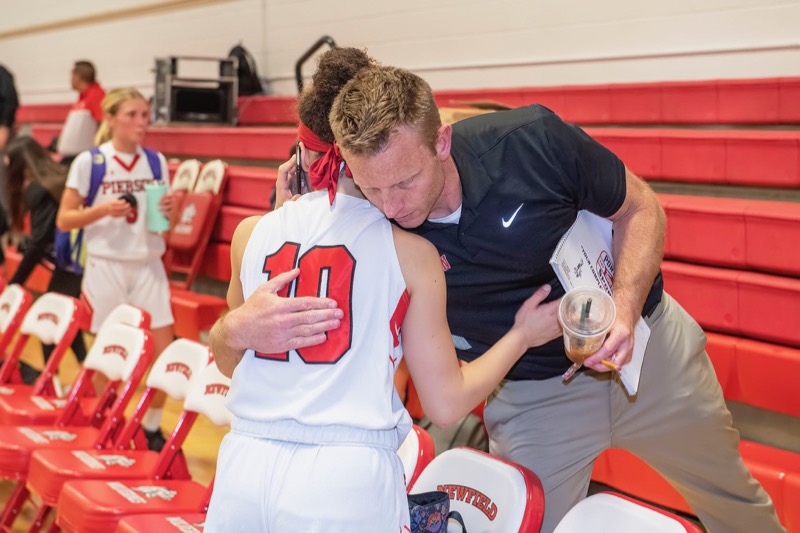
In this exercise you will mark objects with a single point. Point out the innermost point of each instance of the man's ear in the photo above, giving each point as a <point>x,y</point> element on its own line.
<point>444,140</point>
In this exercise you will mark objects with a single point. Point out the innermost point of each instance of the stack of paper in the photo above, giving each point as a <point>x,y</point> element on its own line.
<point>583,258</point>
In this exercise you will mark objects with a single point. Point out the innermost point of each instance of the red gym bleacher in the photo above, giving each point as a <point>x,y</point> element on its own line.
<point>733,263</point>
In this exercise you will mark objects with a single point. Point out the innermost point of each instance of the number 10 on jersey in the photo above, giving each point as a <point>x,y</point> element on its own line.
<point>326,271</point>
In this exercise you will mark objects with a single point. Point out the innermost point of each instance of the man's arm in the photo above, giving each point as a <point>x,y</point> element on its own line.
<point>638,245</point>
<point>266,322</point>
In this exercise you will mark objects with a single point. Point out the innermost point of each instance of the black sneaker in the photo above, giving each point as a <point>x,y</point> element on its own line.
<point>155,439</point>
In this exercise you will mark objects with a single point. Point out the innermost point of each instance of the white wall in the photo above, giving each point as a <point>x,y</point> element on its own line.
<point>452,43</point>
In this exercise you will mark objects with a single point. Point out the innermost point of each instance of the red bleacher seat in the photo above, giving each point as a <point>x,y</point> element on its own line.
<point>195,312</point>
<point>706,230</point>
<point>743,234</point>
<point>763,375</point>
<point>55,113</point>
<point>217,263</point>
<point>732,157</point>
<point>250,187</point>
<point>272,143</point>
<point>742,303</point>
<point>710,295</point>
<point>257,110</point>
<point>748,101</point>
<point>772,233</point>
<point>229,218</point>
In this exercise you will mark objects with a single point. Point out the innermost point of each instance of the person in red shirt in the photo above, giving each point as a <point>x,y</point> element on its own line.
<point>91,94</point>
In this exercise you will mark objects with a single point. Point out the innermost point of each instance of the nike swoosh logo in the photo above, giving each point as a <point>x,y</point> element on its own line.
<point>507,223</point>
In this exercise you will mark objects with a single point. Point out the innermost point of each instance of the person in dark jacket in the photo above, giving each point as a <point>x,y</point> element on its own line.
<point>35,184</point>
<point>8,112</point>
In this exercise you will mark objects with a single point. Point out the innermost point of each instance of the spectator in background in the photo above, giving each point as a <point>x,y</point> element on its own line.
<point>80,127</point>
<point>90,94</point>
<point>35,185</point>
<point>9,102</point>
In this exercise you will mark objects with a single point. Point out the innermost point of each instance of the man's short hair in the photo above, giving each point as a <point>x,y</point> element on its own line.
<point>376,102</point>
<point>84,70</point>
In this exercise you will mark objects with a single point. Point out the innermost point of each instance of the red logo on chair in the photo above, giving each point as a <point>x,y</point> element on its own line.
<point>180,367</point>
<point>5,307</point>
<point>59,435</point>
<point>184,225</point>
<point>182,525</point>
<point>217,388</point>
<point>470,495</point>
<point>48,316</point>
<point>151,491</point>
<point>118,460</point>
<point>119,350</point>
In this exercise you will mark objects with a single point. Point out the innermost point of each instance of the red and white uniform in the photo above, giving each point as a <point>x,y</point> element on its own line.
<point>324,422</point>
<point>123,259</point>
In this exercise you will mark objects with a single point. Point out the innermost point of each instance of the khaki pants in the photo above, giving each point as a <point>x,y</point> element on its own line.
<point>678,423</point>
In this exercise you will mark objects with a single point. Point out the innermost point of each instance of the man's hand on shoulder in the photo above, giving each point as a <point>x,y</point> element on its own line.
<point>269,323</point>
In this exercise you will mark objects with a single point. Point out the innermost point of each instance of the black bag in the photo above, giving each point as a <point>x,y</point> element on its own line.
<point>249,82</point>
<point>430,512</point>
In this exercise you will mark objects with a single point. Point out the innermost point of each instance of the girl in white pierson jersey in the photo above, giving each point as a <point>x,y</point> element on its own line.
<point>123,263</point>
<point>315,432</point>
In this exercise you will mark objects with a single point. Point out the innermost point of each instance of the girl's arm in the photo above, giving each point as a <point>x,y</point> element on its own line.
<point>447,390</point>
<point>71,216</point>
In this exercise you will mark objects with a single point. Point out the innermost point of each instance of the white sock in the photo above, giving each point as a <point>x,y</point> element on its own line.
<point>151,421</point>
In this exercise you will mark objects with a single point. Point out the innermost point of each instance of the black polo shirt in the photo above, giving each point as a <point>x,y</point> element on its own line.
<point>525,174</point>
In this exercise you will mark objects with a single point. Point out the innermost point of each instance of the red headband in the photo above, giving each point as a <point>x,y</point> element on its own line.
<point>324,172</point>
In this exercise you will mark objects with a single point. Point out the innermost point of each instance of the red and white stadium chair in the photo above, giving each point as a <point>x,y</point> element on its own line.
<point>53,319</point>
<point>490,493</point>
<point>183,182</point>
<point>416,452</point>
<point>122,354</point>
<point>187,241</point>
<point>608,511</point>
<point>25,406</point>
<point>172,373</point>
<point>14,303</point>
<point>92,506</point>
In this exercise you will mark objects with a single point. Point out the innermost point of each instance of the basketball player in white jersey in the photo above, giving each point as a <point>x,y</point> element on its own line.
<point>315,432</point>
<point>123,263</point>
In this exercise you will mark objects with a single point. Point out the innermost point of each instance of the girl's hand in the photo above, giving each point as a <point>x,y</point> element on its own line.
<point>537,321</point>
<point>287,173</point>
<point>117,208</point>
<point>167,204</point>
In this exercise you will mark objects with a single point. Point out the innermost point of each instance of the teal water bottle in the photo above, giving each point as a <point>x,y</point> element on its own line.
<point>156,221</point>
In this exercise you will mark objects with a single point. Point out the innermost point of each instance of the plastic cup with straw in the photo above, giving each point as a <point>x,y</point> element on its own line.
<point>586,315</point>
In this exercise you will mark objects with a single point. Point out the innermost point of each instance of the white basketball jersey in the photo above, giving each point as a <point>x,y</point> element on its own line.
<point>345,252</point>
<point>118,238</point>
